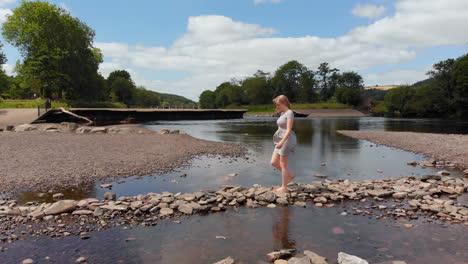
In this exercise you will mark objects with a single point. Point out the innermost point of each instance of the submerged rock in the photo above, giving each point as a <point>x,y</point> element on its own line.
<point>64,206</point>
<point>344,258</point>
<point>228,260</point>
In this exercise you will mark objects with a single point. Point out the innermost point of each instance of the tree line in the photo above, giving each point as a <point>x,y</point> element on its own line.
<point>60,62</point>
<point>444,94</point>
<point>293,79</point>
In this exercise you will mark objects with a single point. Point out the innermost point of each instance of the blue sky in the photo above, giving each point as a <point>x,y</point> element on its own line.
<point>187,46</point>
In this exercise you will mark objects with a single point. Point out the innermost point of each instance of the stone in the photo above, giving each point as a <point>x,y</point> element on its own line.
<point>282,201</point>
<point>315,258</point>
<point>303,260</point>
<point>320,200</point>
<point>69,126</point>
<point>300,204</point>
<point>82,212</point>
<point>412,163</point>
<point>164,131</point>
<point>408,226</point>
<point>280,261</point>
<point>380,193</point>
<point>444,172</point>
<point>465,172</point>
<point>113,207</point>
<point>28,261</point>
<point>98,130</point>
<point>186,209</point>
<point>431,177</point>
<point>83,130</point>
<point>58,196</point>
<point>64,206</point>
<point>399,195</point>
<point>107,185</point>
<point>232,174</point>
<point>81,259</point>
<point>323,176</point>
<point>266,197</point>
<point>189,197</point>
<point>271,206</point>
<point>228,260</point>
<point>166,211</point>
<point>344,258</point>
<point>24,128</point>
<point>98,212</point>
<point>109,196</point>
<point>282,254</point>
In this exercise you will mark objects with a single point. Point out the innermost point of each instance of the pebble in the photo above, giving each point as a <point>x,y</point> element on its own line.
<point>271,206</point>
<point>81,259</point>
<point>28,261</point>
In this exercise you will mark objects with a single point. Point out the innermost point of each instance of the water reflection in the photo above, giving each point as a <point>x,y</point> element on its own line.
<point>281,239</point>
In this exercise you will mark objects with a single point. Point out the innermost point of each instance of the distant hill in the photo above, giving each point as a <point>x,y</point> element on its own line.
<point>423,82</point>
<point>381,87</point>
<point>172,99</point>
<point>374,94</point>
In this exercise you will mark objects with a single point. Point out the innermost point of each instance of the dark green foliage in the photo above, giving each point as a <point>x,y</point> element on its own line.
<point>348,96</point>
<point>460,91</point>
<point>145,98</point>
<point>123,90</point>
<point>374,94</point>
<point>207,100</point>
<point>172,99</point>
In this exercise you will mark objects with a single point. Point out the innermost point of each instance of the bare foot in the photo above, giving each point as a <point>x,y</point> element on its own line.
<point>281,189</point>
<point>291,177</point>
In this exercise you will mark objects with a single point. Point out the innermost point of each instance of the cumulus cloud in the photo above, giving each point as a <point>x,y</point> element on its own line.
<point>256,2</point>
<point>397,77</point>
<point>216,48</point>
<point>4,12</point>
<point>6,2</point>
<point>65,7</point>
<point>369,11</point>
<point>9,69</point>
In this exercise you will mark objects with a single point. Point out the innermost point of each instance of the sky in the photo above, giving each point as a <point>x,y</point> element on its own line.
<point>187,46</point>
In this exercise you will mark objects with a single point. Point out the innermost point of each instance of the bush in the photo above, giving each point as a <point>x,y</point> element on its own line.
<point>380,109</point>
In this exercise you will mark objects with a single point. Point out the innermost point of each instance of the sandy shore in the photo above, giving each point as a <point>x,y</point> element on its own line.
<point>39,160</point>
<point>13,116</point>
<point>445,147</point>
<point>319,113</point>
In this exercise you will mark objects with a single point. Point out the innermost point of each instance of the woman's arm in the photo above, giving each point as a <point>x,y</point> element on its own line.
<point>290,123</point>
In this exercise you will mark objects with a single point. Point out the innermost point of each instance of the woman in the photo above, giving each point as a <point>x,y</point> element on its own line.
<point>284,140</point>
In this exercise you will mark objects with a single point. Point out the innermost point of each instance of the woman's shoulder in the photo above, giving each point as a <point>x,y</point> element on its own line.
<point>289,113</point>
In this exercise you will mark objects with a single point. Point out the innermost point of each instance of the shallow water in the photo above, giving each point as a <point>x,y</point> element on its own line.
<point>251,233</point>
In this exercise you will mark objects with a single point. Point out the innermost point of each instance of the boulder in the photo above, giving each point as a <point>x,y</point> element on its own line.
<point>64,206</point>
<point>186,209</point>
<point>266,197</point>
<point>344,258</point>
<point>315,258</point>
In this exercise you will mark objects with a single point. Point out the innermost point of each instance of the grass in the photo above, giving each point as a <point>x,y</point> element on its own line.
<point>30,103</point>
<point>270,108</point>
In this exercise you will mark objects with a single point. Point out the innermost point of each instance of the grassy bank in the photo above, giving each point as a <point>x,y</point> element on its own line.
<point>56,104</point>
<point>270,108</point>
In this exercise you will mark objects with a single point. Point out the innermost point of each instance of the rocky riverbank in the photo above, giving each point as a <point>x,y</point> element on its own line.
<point>45,156</point>
<point>431,197</point>
<point>445,149</point>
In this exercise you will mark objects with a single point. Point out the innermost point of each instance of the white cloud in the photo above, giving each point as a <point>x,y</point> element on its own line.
<point>9,69</point>
<point>369,11</point>
<point>6,2</point>
<point>256,2</point>
<point>3,14</point>
<point>397,77</point>
<point>216,48</point>
<point>65,7</point>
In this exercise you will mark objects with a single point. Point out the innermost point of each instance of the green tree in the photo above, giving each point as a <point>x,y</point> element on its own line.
<point>145,98</point>
<point>258,89</point>
<point>307,86</point>
<point>346,95</point>
<point>56,48</point>
<point>398,99</point>
<point>351,80</point>
<point>460,92</point>
<point>118,74</point>
<point>287,79</point>
<point>123,91</point>
<point>207,100</point>
<point>327,80</point>
<point>443,76</point>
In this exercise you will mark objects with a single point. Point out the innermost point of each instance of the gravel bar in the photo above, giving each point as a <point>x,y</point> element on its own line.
<point>39,160</point>
<point>446,147</point>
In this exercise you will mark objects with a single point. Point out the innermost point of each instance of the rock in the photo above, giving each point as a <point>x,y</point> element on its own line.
<point>166,211</point>
<point>282,201</point>
<point>323,176</point>
<point>82,212</point>
<point>58,196</point>
<point>301,204</point>
<point>98,130</point>
<point>83,130</point>
<point>382,207</point>
<point>320,200</point>
<point>28,261</point>
<point>408,226</point>
<point>228,260</point>
<point>399,195</point>
<point>282,254</point>
<point>431,177</point>
<point>113,207</point>
<point>344,258</point>
<point>380,193</point>
<point>344,214</point>
<point>232,175</point>
<point>271,206</point>
<point>24,128</point>
<point>465,172</point>
<point>107,185</point>
<point>164,131</point>
<point>303,260</point>
<point>189,197</point>
<point>109,196</point>
<point>81,259</point>
<point>69,126</point>
<point>444,172</point>
<point>98,212</point>
<point>266,197</point>
<point>60,207</point>
<point>315,258</point>
<point>186,209</point>
<point>412,163</point>
<point>280,261</point>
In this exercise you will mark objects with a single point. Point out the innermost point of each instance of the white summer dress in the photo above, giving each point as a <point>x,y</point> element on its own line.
<point>290,144</point>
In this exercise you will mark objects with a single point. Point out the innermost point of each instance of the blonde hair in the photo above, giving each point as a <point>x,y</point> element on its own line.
<point>282,99</point>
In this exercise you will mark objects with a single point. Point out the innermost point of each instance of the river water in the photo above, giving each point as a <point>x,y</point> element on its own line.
<point>251,233</point>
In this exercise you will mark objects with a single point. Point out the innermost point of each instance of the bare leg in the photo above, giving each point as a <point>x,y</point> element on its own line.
<point>287,176</point>
<point>275,160</point>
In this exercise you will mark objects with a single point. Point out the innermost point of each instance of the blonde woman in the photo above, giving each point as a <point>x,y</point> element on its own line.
<point>284,140</point>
